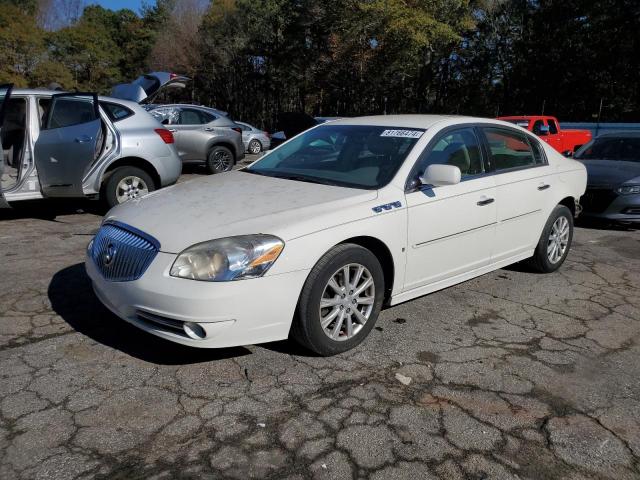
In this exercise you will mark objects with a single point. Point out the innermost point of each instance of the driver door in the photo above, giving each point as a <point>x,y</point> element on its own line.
<point>70,141</point>
<point>5,94</point>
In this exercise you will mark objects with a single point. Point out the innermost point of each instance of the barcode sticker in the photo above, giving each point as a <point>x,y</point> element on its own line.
<point>402,133</point>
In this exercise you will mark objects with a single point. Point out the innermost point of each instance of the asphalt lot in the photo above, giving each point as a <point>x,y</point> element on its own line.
<point>510,375</point>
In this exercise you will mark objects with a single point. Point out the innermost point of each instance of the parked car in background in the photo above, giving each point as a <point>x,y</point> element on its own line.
<point>81,145</point>
<point>313,238</point>
<point>202,134</point>
<point>613,185</point>
<point>548,128</point>
<point>254,139</point>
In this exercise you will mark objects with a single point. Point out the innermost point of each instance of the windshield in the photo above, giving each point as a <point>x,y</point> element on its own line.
<point>625,149</point>
<point>358,156</point>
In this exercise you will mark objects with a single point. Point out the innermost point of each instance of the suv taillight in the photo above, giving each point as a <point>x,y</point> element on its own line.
<point>237,129</point>
<point>165,135</point>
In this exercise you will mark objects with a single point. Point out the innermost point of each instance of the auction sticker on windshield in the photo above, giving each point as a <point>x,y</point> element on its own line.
<point>402,133</point>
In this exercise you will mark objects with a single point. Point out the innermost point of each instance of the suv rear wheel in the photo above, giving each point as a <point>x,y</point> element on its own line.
<point>126,183</point>
<point>220,159</point>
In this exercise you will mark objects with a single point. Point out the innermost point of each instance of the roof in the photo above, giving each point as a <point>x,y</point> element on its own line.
<point>405,121</point>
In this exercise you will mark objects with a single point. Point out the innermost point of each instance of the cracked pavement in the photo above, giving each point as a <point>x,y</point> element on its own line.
<point>511,375</point>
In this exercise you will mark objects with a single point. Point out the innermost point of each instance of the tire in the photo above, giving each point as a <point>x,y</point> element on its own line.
<point>307,328</point>
<point>220,159</point>
<point>135,178</point>
<point>254,147</point>
<point>546,259</point>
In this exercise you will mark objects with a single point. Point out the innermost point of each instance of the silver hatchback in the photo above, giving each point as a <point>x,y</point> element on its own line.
<point>202,135</point>
<point>81,145</point>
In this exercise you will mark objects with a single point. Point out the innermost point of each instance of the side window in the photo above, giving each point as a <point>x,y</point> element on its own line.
<point>460,148</point>
<point>66,111</point>
<point>537,127</point>
<point>244,128</point>
<point>190,116</point>
<point>553,128</point>
<point>116,112</point>
<point>538,151</point>
<point>509,149</point>
<point>43,110</point>
<point>165,115</point>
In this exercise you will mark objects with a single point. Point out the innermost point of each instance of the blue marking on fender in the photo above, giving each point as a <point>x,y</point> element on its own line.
<point>386,207</point>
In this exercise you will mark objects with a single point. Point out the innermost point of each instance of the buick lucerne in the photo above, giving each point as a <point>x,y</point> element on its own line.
<point>310,241</point>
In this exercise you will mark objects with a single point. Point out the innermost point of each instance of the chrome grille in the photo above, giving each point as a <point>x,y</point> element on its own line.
<point>121,253</point>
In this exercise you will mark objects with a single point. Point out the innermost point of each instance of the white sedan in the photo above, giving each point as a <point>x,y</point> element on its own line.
<point>314,238</point>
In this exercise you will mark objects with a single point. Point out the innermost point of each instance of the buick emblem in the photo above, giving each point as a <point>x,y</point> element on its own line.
<point>108,255</point>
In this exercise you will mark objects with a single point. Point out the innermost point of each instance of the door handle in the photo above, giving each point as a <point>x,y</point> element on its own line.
<point>209,129</point>
<point>485,201</point>
<point>543,186</point>
<point>83,139</point>
<point>172,130</point>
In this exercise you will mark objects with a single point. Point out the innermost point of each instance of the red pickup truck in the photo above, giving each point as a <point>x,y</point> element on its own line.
<point>548,129</point>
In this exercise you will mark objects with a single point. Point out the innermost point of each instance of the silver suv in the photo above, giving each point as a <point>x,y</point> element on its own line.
<point>202,135</point>
<point>82,145</point>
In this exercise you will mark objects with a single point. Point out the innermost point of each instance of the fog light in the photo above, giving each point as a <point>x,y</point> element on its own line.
<point>195,331</point>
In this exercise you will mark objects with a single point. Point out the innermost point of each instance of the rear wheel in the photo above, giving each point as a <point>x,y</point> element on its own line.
<point>555,241</point>
<point>220,159</point>
<point>126,183</point>
<point>255,147</point>
<point>340,301</point>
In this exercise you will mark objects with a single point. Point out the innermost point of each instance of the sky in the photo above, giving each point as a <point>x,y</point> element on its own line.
<point>118,4</point>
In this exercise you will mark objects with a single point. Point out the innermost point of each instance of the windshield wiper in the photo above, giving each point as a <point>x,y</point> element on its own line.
<point>291,176</point>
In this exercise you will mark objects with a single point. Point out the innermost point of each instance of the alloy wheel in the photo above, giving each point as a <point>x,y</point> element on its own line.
<point>347,302</point>
<point>222,161</point>
<point>131,187</point>
<point>558,239</point>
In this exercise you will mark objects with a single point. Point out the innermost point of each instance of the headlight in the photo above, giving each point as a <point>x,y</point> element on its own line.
<point>628,189</point>
<point>226,259</point>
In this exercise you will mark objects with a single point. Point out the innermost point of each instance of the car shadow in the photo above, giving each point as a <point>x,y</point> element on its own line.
<point>50,209</point>
<point>596,224</point>
<point>72,297</point>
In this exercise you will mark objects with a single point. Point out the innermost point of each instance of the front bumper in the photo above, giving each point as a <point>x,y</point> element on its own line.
<point>230,314</point>
<point>607,205</point>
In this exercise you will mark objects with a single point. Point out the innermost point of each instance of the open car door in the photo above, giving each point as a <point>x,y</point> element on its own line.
<point>70,141</point>
<point>146,87</point>
<point>5,94</point>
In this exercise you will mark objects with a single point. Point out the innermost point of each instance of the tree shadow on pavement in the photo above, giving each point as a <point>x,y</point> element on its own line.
<point>72,297</point>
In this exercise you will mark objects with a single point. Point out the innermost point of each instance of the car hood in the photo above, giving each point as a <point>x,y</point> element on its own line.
<point>238,203</point>
<point>609,172</point>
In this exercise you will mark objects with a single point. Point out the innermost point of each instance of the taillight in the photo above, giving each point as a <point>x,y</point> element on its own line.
<point>237,129</point>
<point>267,134</point>
<point>165,135</point>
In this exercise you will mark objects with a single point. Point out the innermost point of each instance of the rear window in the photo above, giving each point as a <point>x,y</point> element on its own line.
<point>116,112</point>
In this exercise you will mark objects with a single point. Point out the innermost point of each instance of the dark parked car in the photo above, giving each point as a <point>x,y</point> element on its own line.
<point>613,184</point>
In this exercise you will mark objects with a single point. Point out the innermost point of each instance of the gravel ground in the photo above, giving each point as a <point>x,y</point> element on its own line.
<point>510,375</point>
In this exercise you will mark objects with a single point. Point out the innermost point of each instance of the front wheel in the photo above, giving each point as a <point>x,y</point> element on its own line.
<point>126,183</point>
<point>219,160</point>
<point>340,301</point>
<point>555,241</point>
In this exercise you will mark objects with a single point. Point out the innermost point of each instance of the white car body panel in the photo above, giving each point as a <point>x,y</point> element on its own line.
<point>435,239</point>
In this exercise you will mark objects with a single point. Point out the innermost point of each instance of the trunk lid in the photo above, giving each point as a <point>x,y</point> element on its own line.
<point>146,87</point>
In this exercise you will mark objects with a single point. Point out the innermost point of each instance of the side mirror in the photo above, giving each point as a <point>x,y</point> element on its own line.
<point>440,175</point>
<point>543,130</point>
<point>165,121</point>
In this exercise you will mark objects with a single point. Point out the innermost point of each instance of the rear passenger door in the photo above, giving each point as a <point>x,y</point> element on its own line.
<point>523,190</point>
<point>69,142</point>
